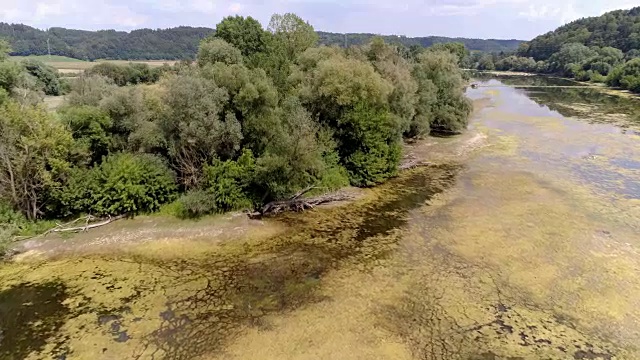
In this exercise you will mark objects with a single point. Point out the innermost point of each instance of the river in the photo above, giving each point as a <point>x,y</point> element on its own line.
<point>521,241</point>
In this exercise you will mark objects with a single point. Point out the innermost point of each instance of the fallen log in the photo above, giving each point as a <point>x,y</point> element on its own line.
<point>296,204</point>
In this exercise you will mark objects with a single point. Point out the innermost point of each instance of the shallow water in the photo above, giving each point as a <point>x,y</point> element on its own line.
<point>525,248</point>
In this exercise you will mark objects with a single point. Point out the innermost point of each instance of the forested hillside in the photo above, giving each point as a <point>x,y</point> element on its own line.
<point>178,43</point>
<point>144,44</point>
<point>490,45</point>
<point>261,115</point>
<point>603,49</point>
<point>619,29</point>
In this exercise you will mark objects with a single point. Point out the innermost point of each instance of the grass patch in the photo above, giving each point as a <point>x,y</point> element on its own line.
<point>46,58</point>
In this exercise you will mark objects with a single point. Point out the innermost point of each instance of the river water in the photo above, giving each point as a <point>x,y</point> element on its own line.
<point>522,241</point>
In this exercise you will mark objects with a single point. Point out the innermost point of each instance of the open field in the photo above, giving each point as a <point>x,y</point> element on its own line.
<point>67,65</point>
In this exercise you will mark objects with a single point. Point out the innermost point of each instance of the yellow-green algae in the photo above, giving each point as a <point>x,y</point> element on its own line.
<point>138,304</point>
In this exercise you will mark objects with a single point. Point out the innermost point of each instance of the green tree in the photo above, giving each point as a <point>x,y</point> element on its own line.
<point>292,34</point>
<point>456,48</point>
<point>450,112</point>
<point>9,75</point>
<point>5,49</point>
<point>626,76</point>
<point>574,53</point>
<point>252,99</point>
<point>288,37</point>
<point>294,155</point>
<point>47,77</point>
<point>486,63</point>
<point>89,90</point>
<point>213,50</point>
<point>229,182</point>
<point>196,127</point>
<point>34,151</point>
<point>245,34</point>
<point>91,128</point>
<point>397,71</point>
<point>351,98</point>
<point>370,144</point>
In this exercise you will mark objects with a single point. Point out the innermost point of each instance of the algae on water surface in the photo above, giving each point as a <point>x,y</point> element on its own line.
<point>138,306</point>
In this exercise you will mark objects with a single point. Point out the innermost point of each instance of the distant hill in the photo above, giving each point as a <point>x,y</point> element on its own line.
<point>178,43</point>
<point>619,29</point>
<point>490,45</point>
<point>144,44</point>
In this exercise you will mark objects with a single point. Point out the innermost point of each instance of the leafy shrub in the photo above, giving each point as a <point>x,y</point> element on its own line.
<point>229,182</point>
<point>9,75</point>
<point>122,184</point>
<point>11,223</point>
<point>129,184</point>
<point>47,77</point>
<point>196,203</point>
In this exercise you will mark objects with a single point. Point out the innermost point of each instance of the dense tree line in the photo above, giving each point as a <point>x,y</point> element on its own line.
<point>618,29</point>
<point>599,49</point>
<point>259,116</point>
<point>350,39</point>
<point>144,44</point>
<point>182,42</point>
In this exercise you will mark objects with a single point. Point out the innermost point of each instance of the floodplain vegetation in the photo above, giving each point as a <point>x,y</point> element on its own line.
<point>261,114</point>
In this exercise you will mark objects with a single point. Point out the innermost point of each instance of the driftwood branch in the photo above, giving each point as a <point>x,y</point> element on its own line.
<point>302,192</point>
<point>410,162</point>
<point>296,204</point>
<point>89,223</point>
<point>87,226</point>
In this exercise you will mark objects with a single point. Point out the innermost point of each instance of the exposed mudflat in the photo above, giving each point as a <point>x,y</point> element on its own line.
<point>521,241</point>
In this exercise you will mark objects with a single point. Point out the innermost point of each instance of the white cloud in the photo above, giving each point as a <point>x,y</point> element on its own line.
<point>48,9</point>
<point>236,7</point>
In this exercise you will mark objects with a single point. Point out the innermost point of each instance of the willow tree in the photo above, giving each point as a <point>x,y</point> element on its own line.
<point>34,152</point>
<point>439,74</point>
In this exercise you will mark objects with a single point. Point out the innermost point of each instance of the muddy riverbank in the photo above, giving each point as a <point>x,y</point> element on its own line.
<point>521,242</point>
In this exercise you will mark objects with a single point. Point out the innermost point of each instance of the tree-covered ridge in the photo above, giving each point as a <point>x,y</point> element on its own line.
<point>261,115</point>
<point>180,42</point>
<point>603,49</point>
<point>488,45</point>
<point>144,44</point>
<point>618,29</point>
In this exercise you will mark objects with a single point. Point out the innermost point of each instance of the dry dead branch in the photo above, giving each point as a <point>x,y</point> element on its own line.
<point>296,204</point>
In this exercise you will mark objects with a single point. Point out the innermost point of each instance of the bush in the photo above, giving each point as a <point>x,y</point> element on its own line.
<point>9,75</point>
<point>129,184</point>
<point>229,182</point>
<point>195,204</point>
<point>47,77</point>
<point>11,224</point>
<point>122,184</point>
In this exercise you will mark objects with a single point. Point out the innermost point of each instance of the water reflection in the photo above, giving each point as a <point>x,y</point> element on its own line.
<point>582,130</point>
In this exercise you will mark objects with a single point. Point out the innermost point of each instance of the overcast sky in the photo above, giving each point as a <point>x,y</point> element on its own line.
<point>504,19</point>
